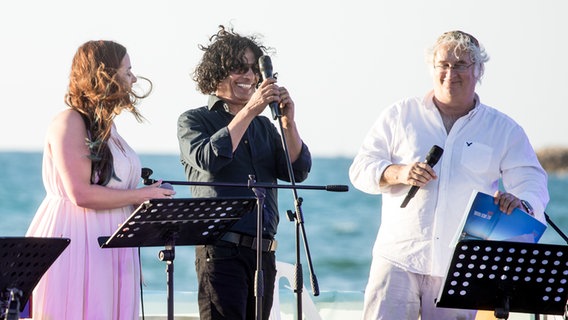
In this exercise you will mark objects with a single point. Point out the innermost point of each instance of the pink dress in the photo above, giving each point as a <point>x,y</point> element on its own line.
<point>87,282</point>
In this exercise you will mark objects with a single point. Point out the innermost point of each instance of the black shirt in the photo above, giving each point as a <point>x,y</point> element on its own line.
<point>206,154</point>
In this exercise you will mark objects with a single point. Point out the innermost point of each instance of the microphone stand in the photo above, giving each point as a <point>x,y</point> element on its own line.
<point>265,65</point>
<point>565,238</point>
<point>300,230</point>
<point>259,190</point>
<point>553,225</point>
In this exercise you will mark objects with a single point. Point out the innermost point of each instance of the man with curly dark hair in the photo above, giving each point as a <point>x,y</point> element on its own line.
<point>226,141</point>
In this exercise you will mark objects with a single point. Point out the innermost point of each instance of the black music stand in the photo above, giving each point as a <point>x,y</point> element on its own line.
<point>507,276</point>
<point>23,261</point>
<point>170,222</point>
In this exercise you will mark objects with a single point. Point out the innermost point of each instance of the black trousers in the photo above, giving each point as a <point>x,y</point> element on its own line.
<point>225,276</point>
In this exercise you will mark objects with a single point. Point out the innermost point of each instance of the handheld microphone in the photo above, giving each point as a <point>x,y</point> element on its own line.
<point>431,159</point>
<point>265,65</point>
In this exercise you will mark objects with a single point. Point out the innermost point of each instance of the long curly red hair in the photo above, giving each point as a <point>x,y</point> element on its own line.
<point>98,95</point>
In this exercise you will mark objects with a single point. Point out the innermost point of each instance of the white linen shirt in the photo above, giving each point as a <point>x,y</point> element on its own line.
<point>482,147</point>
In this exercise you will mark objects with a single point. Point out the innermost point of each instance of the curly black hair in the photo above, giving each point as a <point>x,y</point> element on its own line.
<point>223,55</point>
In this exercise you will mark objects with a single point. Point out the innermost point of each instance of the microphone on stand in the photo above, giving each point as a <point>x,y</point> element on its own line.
<point>431,159</point>
<point>265,65</point>
<point>166,185</point>
<point>147,172</point>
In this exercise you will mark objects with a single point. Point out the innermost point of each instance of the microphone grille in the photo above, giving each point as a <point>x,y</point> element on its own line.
<point>434,155</point>
<point>265,66</point>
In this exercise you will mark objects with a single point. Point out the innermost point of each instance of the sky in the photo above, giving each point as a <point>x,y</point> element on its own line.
<point>342,61</point>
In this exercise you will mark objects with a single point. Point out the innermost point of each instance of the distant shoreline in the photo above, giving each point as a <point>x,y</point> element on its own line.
<point>553,159</point>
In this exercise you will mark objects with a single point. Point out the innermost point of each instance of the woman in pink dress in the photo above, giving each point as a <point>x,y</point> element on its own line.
<point>91,176</point>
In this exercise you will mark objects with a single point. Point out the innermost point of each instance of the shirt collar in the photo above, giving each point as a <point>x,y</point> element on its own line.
<point>216,103</point>
<point>428,102</point>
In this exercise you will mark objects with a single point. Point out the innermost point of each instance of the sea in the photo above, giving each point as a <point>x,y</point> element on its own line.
<point>336,235</point>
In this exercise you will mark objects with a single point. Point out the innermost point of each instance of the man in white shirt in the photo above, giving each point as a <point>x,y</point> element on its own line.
<point>482,147</point>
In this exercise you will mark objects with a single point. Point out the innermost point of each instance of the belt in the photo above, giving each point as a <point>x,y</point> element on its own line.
<point>267,245</point>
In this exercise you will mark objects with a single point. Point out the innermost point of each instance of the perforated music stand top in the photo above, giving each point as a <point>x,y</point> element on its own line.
<point>24,260</point>
<point>194,221</point>
<point>533,276</point>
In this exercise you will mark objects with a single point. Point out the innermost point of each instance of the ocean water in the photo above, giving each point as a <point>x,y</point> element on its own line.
<point>340,227</point>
